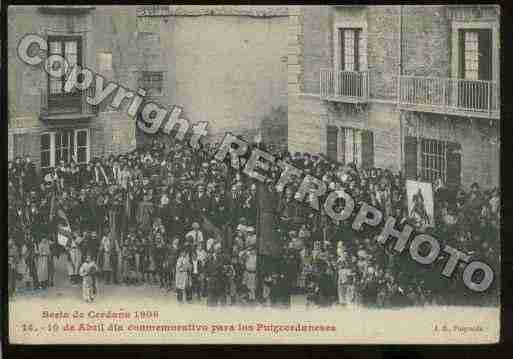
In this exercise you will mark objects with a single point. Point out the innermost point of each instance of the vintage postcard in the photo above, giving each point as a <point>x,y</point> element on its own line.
<point>254,174</point>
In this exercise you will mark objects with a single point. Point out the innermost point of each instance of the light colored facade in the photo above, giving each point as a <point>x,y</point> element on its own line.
<point>226,65</point>
<point>410,88</point>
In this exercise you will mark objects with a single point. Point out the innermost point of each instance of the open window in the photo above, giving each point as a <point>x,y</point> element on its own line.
<point>475,68</point>
<point>70,48</point>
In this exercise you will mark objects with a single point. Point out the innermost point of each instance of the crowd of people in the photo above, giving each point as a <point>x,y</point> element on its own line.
<point>172,216</point>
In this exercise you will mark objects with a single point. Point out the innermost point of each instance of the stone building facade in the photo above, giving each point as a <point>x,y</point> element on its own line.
<point>226,65</point>
<point>44,123</point>
<point>409,88</point>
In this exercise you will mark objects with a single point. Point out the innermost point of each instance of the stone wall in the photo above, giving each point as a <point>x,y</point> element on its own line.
<point>227,70</point>
<point>104,29</point>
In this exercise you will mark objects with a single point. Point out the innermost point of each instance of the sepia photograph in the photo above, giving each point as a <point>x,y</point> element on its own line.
<point>189,174</point>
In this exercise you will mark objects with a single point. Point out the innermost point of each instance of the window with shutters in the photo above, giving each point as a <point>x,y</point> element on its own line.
<point>66,146</point>
<point>354,146</point>
<point>471,55</point>
<point>475,68</point>
<point>351,145</point>
<point>82,145</point>
<point>63,146</point>
<point>476,54</point>
<point>46,150</point>
<point>351,49</point>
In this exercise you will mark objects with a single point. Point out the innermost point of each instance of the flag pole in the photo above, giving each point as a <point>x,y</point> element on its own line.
<point>258,230</point>
<point>258,265</point>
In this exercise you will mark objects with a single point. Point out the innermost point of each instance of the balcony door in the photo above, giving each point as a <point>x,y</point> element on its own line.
<point>475,68</point>
<point>59,101</point>
<point>348,77</point>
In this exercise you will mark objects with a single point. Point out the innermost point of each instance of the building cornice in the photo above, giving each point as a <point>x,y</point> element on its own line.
<point>213,10</point>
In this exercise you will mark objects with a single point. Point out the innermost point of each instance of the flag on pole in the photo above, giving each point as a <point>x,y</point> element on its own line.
<point>63,228</point>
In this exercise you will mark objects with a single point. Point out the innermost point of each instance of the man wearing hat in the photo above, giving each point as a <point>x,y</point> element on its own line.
<point>201,203</point>
<point>218,209</point>
<point>234,201</point>
<point>216,277</point>
<point>288,270</point>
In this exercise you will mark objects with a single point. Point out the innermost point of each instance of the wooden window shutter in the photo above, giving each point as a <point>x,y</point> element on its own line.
<point>485,54</point>
<point>357,50</point>
<point>367,149</point>
<point>410,157</point>
<point>453,164</point>
<point>342,49</point>
<point>461,49</point>
<point>331,142</point>
<point>34,148</point>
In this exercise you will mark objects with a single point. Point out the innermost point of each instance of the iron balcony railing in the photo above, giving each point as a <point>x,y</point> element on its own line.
<point>345,86</point>
<point>462,97</point>
<point>447,95</point>
<point>67,103</point>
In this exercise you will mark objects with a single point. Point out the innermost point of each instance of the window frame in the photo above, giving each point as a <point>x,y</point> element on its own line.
<point>432,164</point>
<point>355,145</point>
<point>72,152</point>
<point>62,39</point>
<point>456,69</point>
<point>470,68</point>
<point>87,146</point>
<point>362,47</point>
<point>355,37</point>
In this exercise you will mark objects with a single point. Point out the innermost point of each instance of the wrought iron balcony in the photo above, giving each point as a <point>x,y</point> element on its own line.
<point>460,97</point>
<point>66,106</point>
<point>476,98</point>
<point>344,86</point>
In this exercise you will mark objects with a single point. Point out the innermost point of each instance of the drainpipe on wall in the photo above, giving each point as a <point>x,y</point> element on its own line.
<point>399,73</point>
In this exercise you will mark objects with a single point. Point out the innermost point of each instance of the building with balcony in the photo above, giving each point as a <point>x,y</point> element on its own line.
<point>50,124</point>
<point>226,65</point>
<point>409,88</point>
